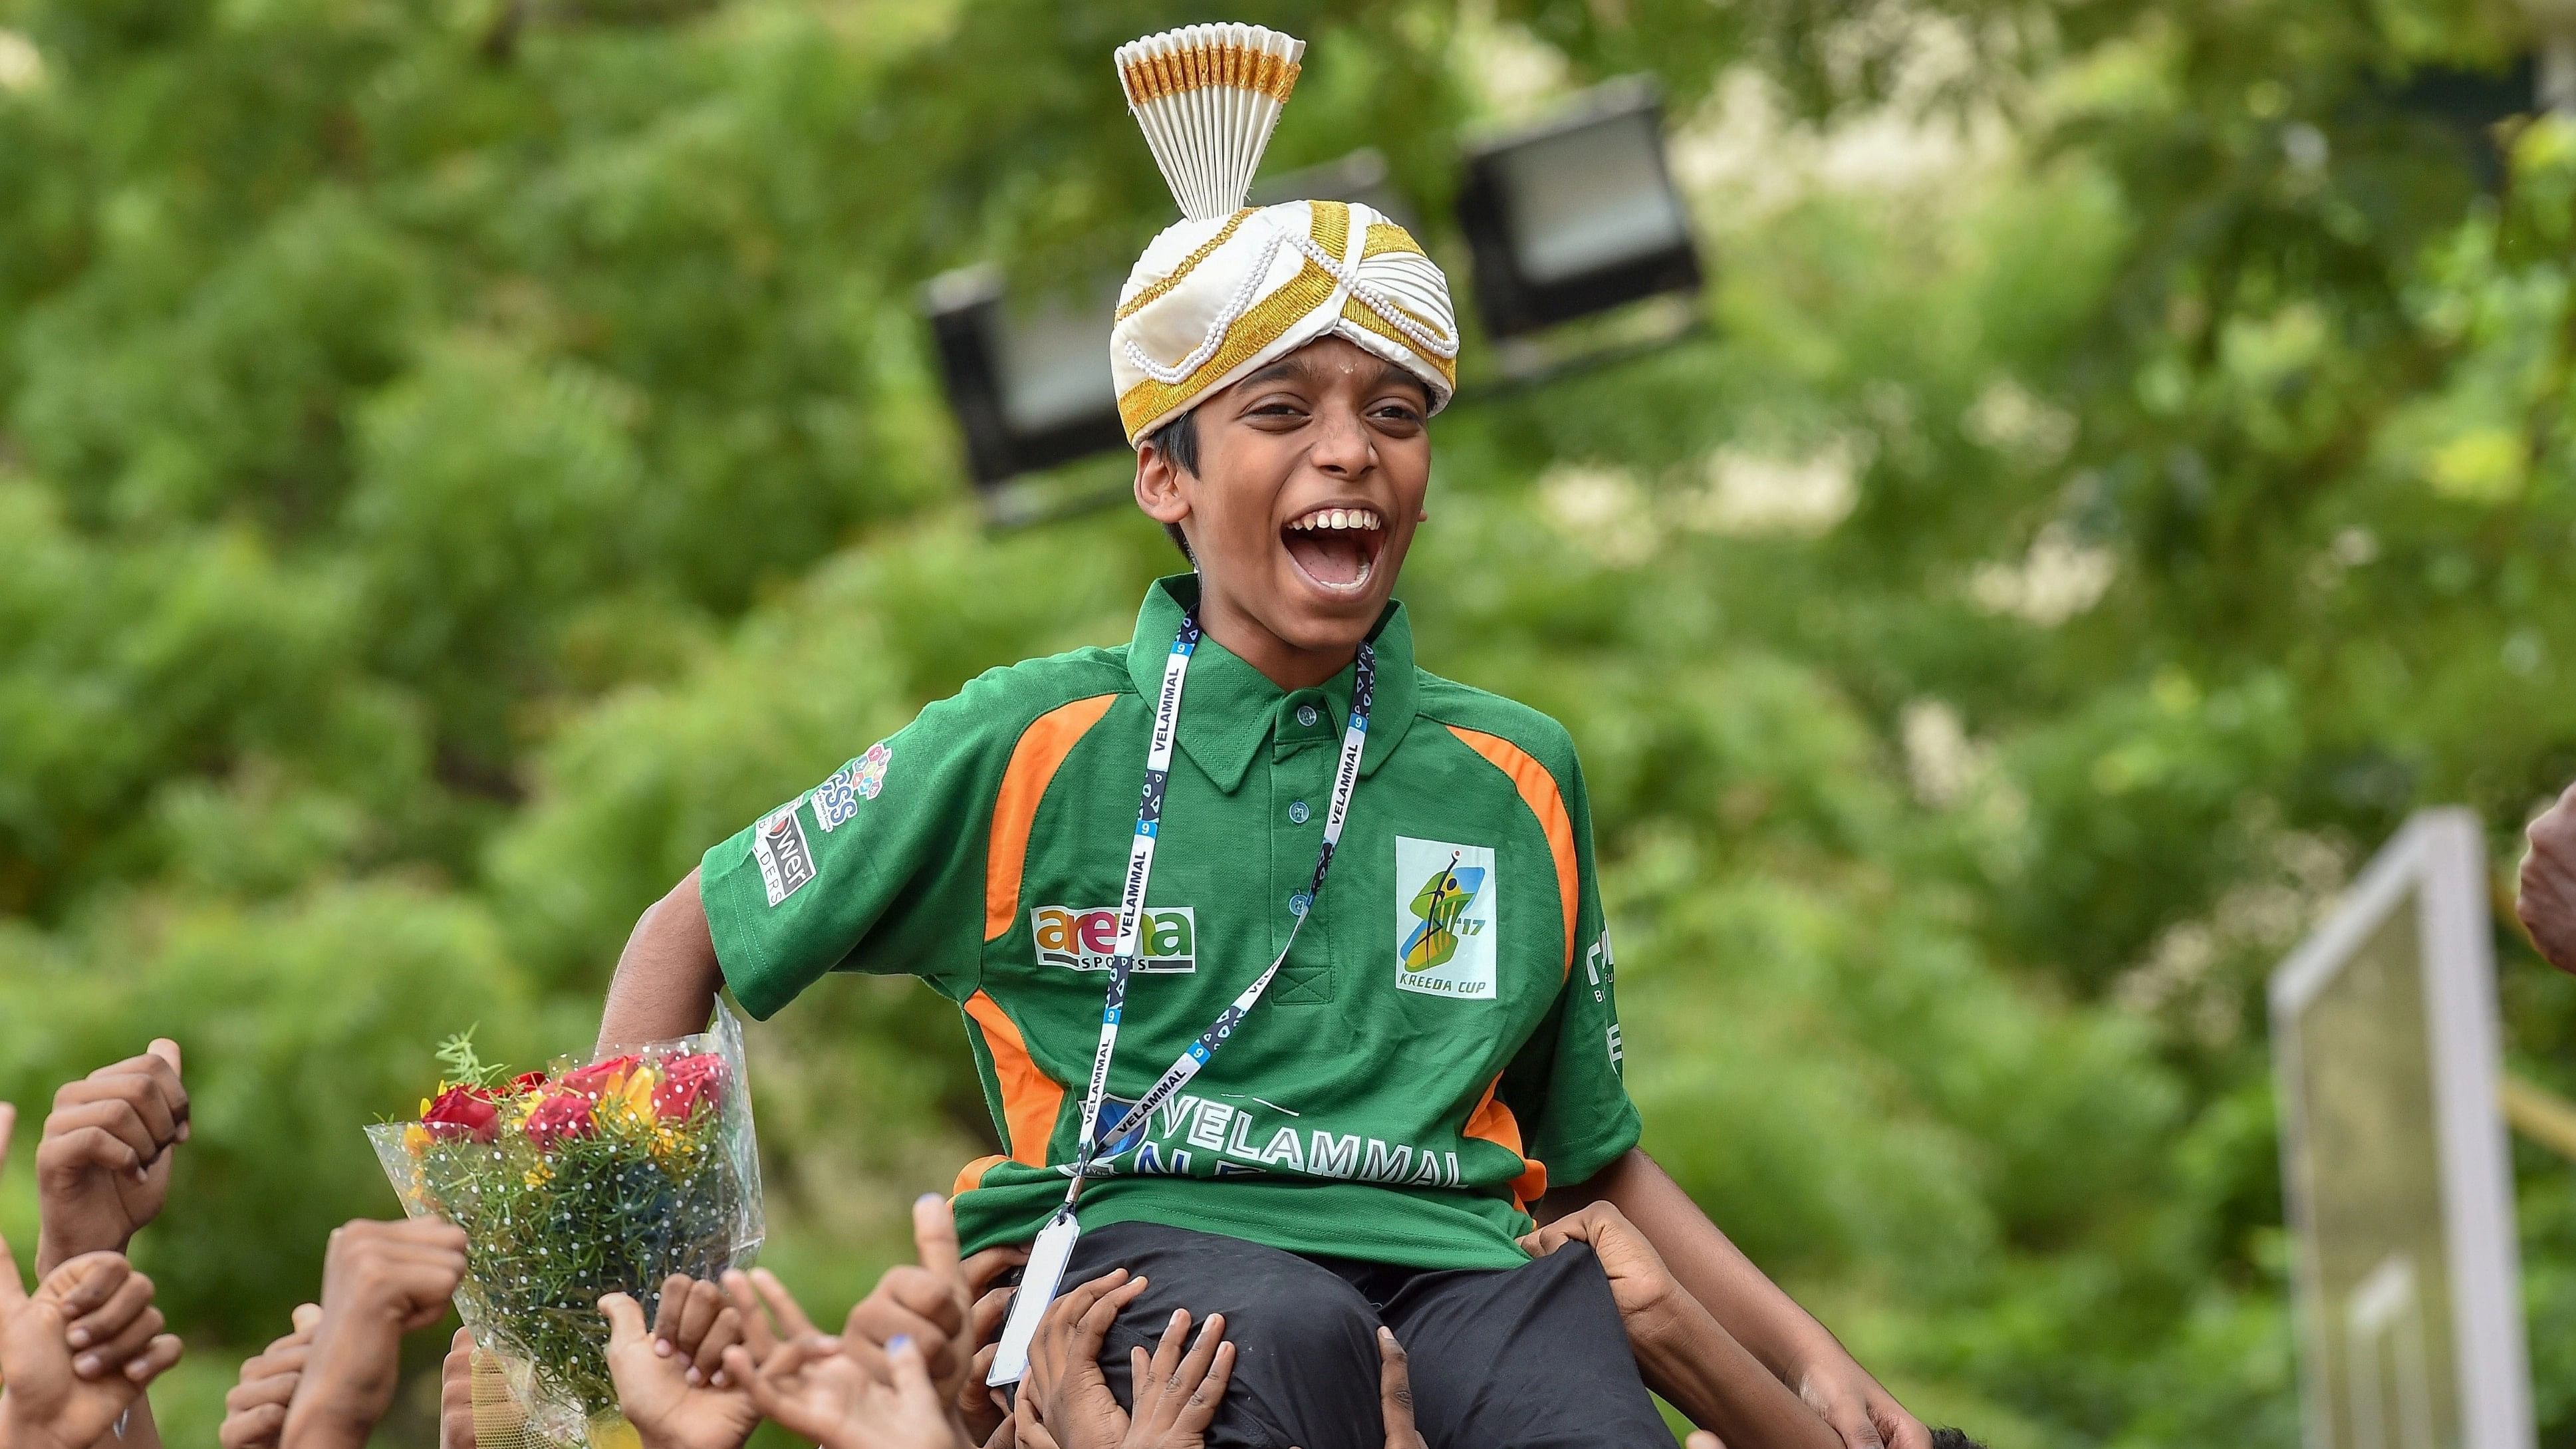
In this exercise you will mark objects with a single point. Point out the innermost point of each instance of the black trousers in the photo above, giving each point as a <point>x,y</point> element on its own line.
<point>1532,1357</point>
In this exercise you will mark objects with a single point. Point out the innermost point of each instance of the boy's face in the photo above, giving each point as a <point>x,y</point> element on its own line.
<point>1310,481</point>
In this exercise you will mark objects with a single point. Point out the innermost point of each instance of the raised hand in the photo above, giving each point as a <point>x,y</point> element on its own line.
<point>1064,1390</point>
<point>1176,1392</point>
<point>456,1393</point>
<point>379,1282</point>
<point>797,1374</point>
<point>695,1325</point>
<point>55,1400</point>
<point>671,1403</point>
<point>983,1410</point>
<point>812,1388</point>
<point>2546,900</point>
<point>255,1410</point>
<point>926,1302</point>
<point>103,1163</point>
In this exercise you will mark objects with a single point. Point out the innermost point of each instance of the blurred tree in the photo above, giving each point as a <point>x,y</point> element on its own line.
<point>458,460</point>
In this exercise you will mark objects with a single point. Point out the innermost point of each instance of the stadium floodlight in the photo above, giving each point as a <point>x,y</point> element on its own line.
<point>1578,215</point>
<point>2393,1158</point>
<point>1028,380</point>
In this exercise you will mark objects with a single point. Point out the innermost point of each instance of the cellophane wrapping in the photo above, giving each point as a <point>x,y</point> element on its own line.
<point>605,1174</point>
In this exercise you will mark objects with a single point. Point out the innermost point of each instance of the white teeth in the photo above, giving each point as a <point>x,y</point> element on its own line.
<point>1327,519</point>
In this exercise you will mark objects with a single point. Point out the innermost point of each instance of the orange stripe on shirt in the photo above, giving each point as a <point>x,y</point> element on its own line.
<point>1031,1100</point>
<point>1539,792</point>
<point>971,1176</point>
<point>1493,1122</point>
<point>1042,748</point>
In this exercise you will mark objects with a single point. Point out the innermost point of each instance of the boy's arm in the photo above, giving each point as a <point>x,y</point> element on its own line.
<point>667,976</point>
<point>1748,1305</point>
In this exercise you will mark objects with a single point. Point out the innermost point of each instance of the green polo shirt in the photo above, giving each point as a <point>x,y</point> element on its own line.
<point>1441,1044</point>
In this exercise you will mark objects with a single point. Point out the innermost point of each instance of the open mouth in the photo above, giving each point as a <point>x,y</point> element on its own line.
<point>1335,547</point>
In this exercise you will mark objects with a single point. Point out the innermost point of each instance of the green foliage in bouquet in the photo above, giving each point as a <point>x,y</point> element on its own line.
<point>606,1177</point>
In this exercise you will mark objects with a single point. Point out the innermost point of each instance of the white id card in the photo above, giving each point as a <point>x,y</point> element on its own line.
<point>1038,1283</point>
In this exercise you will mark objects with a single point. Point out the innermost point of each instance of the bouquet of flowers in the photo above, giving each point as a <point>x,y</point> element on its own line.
<point>592,1177</point>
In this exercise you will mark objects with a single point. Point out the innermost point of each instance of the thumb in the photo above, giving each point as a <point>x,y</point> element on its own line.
<point>1394,1388</point>
<point>166,1049</point>
<point>306,1315</point>
<point>1702,1439</point>
<point>625,1319</point>
<point>934,1234</point>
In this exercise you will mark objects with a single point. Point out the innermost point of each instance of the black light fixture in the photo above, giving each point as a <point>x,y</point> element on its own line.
<point>1578,215</point>
<point>1028,379</point>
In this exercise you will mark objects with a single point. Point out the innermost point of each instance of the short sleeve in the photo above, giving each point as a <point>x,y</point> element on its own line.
<point>879,868</point>
<point>1566,1086</point>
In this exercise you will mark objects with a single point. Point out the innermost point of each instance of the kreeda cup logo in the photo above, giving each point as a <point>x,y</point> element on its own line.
<point>1444,918</point>
<point>1086,939</point>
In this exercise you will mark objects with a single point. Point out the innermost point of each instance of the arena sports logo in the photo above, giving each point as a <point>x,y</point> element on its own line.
<point>1085,939</point>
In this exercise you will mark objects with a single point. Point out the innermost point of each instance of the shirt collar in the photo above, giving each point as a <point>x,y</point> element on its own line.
<point>1229,708</point>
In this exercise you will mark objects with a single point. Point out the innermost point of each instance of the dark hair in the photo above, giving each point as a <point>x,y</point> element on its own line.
<point>1954,1439</point>
<point>1178,440</point>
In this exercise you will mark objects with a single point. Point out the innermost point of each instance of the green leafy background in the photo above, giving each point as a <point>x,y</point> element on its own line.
<point>458,458</point>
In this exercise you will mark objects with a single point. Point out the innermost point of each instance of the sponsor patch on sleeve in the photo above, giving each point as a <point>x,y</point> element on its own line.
<point>871,773</point>
<point>786,862</point>
<point>837,798</point>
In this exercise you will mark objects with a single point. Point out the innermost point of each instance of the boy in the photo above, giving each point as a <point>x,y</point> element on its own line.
<point>1358,1134</point>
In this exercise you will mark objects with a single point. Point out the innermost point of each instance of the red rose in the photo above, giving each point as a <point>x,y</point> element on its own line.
<point>688,1084</point>
<point>592,1081</point>
<point>463,1112</point>
<point>524,1083</point>
<point>560,1118</point>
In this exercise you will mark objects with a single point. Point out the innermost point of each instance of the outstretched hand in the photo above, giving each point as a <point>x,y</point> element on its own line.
<point>671,1403</point>
<point>255,1410</point>
<point>983,1410</point>
<point>1176,1392</point>
<point>926,1301</point>
<point>1064,1389</point>
<point>103,1163</point>
<point>1859,1409</point>
<point>814,1386</point>
<point>379,1281</point>
<point>77,1354</point>
<point>797,1374</point>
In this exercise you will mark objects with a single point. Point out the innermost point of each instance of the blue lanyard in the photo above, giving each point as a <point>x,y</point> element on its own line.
<point>1131,903</point>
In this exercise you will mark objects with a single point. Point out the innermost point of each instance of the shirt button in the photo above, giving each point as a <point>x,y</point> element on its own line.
<point>1306,715</point>
<point>1296,812</point>
<point>1298,903</point>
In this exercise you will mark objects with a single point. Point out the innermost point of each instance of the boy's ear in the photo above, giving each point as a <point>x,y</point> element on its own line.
<point>1158,486</point>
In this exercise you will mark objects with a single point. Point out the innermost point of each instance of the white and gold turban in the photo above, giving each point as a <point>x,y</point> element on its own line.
<point>1230,288</point>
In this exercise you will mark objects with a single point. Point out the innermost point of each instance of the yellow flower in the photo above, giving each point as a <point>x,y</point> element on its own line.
<point>541,1174</point>
<point>416,1137</point>
<point>637,1093</point>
